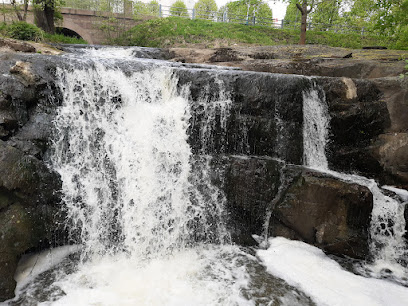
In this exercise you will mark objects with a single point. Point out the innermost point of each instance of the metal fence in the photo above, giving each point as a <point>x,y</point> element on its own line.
<point>226,17</point>
<point>139,9</point>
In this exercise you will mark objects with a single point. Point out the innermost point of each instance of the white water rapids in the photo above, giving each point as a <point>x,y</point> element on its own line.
<point>149,222</point>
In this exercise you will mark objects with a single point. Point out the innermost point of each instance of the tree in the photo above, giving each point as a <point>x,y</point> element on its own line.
<point>245,9</point>
<point>326,14</point>
<point>179,9</point>
<point>304,7</point>
<point>153,7</point>
<point>44,13</point>
<point>392,20</point>
<point>17,10</point>
<point>205,9</point>
<point>292,13</point>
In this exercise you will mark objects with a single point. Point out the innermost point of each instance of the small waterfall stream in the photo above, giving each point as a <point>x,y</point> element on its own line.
<point>387,244</point>
<point>149,223</point>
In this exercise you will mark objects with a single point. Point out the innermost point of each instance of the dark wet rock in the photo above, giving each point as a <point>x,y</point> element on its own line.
<point>250,184</point>
<point>358,117</point>
<point>29,190</point>
<point>303,204</point>
<point>22,228</point>
<point>264,118</point>
<point>28,177</point>
<point>28,198</point>
<point>326,212</point>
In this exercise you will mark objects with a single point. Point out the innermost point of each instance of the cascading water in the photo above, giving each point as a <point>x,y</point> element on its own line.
<point>150,224</point>
<point>387,245</point>
<point>121,149</point>
<point>315,129</point>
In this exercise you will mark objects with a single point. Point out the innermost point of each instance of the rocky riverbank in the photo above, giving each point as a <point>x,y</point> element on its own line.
<point>367,103</point>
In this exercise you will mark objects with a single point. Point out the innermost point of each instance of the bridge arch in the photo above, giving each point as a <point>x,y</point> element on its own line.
<point>70,24</point>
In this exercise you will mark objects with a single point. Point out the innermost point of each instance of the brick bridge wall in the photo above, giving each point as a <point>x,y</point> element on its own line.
<point>90,25</point>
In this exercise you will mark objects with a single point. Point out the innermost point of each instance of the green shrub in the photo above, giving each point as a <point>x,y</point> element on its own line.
<point>24,31</point>
<point>3,28</point>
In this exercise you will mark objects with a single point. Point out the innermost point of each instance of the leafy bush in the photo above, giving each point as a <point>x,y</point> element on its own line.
<point>24,31</point>
<point>3,28</point>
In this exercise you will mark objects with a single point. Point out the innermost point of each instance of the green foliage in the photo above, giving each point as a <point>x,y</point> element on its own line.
<point>146,9</point>
<point>292,14</point>
<point>153,8</point>
<point>24,31</point>
<point>205,9</point>
<point>252,8</point>
<point>179,9</point>
<point>326,14</point>
<point>174,31</point>
<point>3,28</point>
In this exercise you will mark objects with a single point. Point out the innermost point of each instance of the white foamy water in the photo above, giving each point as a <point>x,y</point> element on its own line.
<point>31,265</point>
<point>199,276</point>
<point>309,269</point>
<point>316,121</point>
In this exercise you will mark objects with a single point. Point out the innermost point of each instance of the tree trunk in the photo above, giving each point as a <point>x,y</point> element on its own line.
<point>44,17</point>
<point>17,10</point>
<point>303,10</point>
<point>25,10</point>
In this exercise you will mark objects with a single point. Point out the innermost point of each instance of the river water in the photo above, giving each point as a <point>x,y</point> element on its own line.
<point>149,225</point>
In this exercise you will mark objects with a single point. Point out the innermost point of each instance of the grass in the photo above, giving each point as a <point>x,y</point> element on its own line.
<point>62,39</point>
<point>176,31</point>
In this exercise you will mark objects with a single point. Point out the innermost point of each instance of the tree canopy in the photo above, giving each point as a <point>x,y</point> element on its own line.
<point>205,9</point>
<point>247,8</point>
<point>179,8</point>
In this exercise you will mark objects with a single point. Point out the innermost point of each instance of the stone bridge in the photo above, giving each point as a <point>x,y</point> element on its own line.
<point>93,26</point>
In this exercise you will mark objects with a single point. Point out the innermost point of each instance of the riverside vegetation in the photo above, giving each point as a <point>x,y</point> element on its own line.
<point>182,32</point>
<point>24,31</point>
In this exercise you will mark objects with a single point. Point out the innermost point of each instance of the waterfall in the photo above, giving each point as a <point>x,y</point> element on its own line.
<point>136,197</point>
<point>315,128</point>
<point>135,151</point>
<point>122,152</point>
<point>387,227</point>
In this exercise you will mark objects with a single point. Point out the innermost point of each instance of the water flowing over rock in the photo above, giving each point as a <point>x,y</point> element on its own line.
<point>151,161</point>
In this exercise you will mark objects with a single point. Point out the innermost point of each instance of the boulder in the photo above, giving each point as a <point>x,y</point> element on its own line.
<point>28,198</point>
<point>324,211</point>
<point>265,196</point>
<point>22,228</point>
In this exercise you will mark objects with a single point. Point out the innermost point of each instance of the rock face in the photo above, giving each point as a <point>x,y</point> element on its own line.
<point>264,116</point>
<point>358,117</point>
<point>29,190</point>
<point>257,116</point>
<point>265,196</point>
<point>368,126</point>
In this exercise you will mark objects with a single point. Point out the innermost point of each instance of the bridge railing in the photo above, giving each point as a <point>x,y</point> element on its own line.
<point>139,9</point>
<point>226,17</point>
